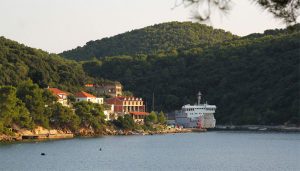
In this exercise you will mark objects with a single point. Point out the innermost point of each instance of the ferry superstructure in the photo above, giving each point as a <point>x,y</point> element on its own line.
<point>196,116</point>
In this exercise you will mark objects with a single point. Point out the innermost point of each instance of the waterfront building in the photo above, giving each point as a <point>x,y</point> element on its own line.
<point>84,96</point>
<point>138,117</point>
<point>124,105</point>
<point>109,112</point>
<point>110,89</point>
<point>62,96</point>
<point>196,116</point>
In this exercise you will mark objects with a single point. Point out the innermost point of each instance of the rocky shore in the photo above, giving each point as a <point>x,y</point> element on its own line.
<point>41,133</point>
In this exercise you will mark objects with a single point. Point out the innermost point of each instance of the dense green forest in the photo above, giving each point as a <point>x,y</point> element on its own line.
<point>252,80</point>
<point>19,63</point>
<point>160,38</point>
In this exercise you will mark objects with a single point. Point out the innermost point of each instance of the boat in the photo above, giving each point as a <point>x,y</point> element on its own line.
<point>196,116</point>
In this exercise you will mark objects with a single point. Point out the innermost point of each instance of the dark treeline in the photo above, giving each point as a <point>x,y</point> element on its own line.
<point>252,80</point>
<point>151,40</point>
<point>19,63</point>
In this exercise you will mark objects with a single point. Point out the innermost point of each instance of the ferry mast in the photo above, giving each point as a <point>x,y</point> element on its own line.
<point>199,97</point>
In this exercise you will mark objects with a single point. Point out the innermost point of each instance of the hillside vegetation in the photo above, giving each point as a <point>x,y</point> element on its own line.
<point>252,80</point>
<point>19,63</point>
<point>160,38</point>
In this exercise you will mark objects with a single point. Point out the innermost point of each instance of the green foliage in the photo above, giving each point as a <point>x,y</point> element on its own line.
<point>12,110</point>
<point>90,114</point>
<point>161,40</point>
<point>34,101</point>
<point>8,105</point>
<point>71,98</point>
<point>125,122</point>
<point>151,119</point>
<point>18,63</point>
<point>28,105</point>
<point>127,93</point>
<point>254,79</point>
<point>64,117</point>
<point>161,118</point>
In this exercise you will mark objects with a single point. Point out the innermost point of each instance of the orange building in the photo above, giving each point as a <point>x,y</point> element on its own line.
<point>126,104</point>
<point>138,117</point>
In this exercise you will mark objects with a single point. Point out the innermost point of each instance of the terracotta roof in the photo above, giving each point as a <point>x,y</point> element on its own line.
<point>139,113</point>
<point>84,95</point>
<point>57,91</point>
<point>89,85</point>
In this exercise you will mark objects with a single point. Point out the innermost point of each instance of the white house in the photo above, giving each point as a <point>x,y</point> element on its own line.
<point>109,112</point>
<point>62,96</point>
<point>83,96</point>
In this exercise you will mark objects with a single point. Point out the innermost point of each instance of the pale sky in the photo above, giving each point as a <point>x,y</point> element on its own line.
<point>58,25</point>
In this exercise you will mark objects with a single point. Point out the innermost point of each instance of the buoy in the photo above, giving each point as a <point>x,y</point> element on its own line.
<point>43,154</point>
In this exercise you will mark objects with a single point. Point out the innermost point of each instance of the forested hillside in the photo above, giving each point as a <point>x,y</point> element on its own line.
<point>19,63</point>
<point>253,80</point>
<point>157,39</point>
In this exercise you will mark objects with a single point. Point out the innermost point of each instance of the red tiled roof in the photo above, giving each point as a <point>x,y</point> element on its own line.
<point>84,95</point>
<point>89,85</point>
<point>139,113</point>
<point>57,91</point>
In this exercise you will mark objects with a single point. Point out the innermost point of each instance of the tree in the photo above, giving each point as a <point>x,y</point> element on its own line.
<point>71,98</point>
<point>161,118</point>
<point>125,122</point>
<point>34,101</point>
<point>151,118</point>
<point>8,105</point>
<point>285,9</point>
<point>64,117</point>
<point>90,114</point>
<point>128,123</point>
<point>13,110</point>
<point>24,119</point>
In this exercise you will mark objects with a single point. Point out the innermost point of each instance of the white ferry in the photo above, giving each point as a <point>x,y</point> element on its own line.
<point>196,116</point>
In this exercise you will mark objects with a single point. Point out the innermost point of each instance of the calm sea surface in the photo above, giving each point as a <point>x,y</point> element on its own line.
<point>191,151</point>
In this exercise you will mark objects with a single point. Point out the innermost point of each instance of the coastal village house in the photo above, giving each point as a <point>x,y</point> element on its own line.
<point>129,105</point>
<point>83,96</point>
<point>109,112</point>
<point>62,96</point>
<point>138,117</point>
<point>110,89</point>
<point>126,104</point>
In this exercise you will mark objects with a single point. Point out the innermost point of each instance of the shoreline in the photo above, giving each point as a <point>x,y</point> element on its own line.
<point>45,134</point>
<point>58,135</point>
<point>260,128</point>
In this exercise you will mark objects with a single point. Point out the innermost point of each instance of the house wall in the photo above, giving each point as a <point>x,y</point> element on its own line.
<point>126,106</point>
<point>89,99</point>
